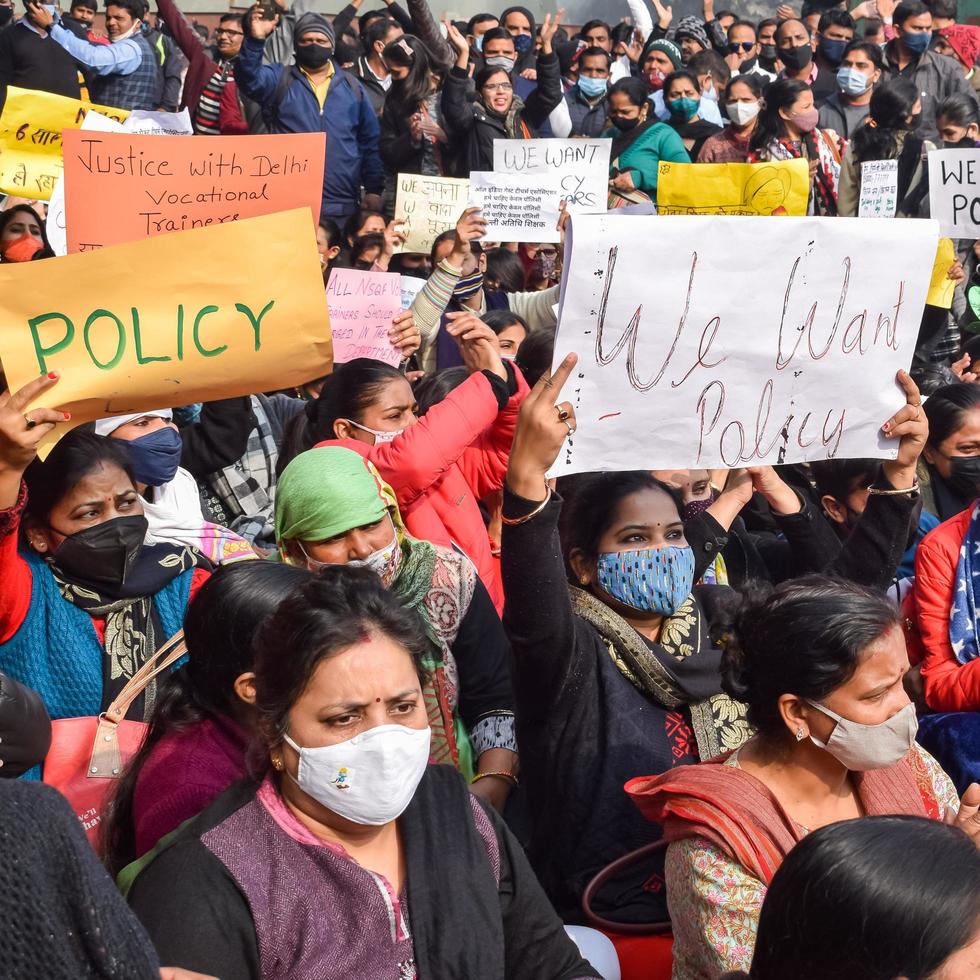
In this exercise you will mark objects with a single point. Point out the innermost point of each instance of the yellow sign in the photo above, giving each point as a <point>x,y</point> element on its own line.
<point>941,287</point>
<point>30,138</point>
<point>427,206</point>
<point>237,308</point>
<point>779,188</point>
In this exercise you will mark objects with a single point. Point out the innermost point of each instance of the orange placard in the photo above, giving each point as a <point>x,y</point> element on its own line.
<point>124,188</point>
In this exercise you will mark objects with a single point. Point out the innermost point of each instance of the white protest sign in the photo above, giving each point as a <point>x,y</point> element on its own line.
<point>517,207</point>
<point>411,287</point>
<point>697,349</point>
<point>879,189</point>
<point>582,166</point>
<point>144,122</point>
<point>954,192</point>
<point>425,207</point>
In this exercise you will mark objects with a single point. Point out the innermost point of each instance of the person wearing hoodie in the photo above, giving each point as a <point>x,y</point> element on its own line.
<point>519,23</point>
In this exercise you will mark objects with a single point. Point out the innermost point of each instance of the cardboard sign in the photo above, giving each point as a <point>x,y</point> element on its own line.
<point>581,165</point>
<point>941,287</point>
<point>879,189</point>
<point>954,192</point>
<point>362,306</point>
<point>240,309</point>
<point>779,188</point>
<point>517,207</point>
<point>30,138</point>
<point>699,349</point>
<point>426,207</point>
<point>121,188</point>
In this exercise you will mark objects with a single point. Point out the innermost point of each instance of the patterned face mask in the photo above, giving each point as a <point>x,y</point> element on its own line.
<point>654,580</point>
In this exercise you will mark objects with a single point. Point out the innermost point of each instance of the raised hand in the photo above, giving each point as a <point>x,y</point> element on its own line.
<point>457,40</point>
<point>404,334</point>
<point>259,27</point>
<point>477,343</point>
<point>665,13</point>
<point>548,30</point>
<point>910,425</point>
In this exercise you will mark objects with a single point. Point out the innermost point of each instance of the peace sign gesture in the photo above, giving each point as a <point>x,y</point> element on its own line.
<point>543,425</point>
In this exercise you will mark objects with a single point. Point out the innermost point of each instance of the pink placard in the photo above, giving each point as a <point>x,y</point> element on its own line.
<point>362,306</point>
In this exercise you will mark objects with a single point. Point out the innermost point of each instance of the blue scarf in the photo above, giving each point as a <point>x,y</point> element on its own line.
<point>963,615</point>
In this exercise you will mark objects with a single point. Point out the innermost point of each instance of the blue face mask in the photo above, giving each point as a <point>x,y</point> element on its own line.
<point>154,457</point>
<point>478,42</point>
<point>918,42</point>
<point>851,81</point>
<point>523,42</point>
<point>833,50</point>
<point>655,580</point>
<point>591,87</point>
<point>683,109</point>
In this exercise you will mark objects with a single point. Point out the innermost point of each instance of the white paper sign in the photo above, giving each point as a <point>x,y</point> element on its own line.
<point>517,207</point>
<point>696,348</point>
<point>147,123</point>
<point>582,166</point>
<point>879,189</point>
<point>411,287</point>
<point>954,192</point>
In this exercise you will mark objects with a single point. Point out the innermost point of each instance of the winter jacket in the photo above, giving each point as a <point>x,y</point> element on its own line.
<point>475,129</point>
<point>25,728</point>
<point>376,92</point>
<point>950,685</point>
<point>347,121</point>
<point>441,467</point>
<point>588,119</point>
<point>28,60</point>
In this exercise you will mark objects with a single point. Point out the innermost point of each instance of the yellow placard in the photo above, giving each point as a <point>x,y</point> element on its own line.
<point>236,309</point>
<point>941,287</point>
<point>30,138</point>
<point>427,206</point>
<point>778,188</point>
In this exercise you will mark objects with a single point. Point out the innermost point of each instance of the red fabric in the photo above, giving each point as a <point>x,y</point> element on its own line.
<point>740,816</point>
<point>644,957</point>
<point>200,65</point>
<point>231,122</point>
<point>964,39</point>
<point>949,685</point>
<point>443,465</point>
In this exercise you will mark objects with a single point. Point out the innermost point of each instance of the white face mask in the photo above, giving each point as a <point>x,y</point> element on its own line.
<point>742,113</point>
<point>862,747</point>
<point>384,562</point>
<point>371,778</point>
<point>379,437</point>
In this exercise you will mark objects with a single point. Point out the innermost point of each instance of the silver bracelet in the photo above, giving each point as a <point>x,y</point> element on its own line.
<point>875,492</point>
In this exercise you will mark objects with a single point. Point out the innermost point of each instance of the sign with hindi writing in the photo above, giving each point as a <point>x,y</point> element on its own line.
<point>425,207</point>
<point>879,189</point>
<point>240,309</point>
<point>517,207</point>
<point>778,188</point>
<point>362,306</point>
<point>581,165</point>
<point>954,192</point>
<point>411,287</point>
<point>149,123</point>
<point>121,188</point>
<point>696,348</point>
<point>30,138</point>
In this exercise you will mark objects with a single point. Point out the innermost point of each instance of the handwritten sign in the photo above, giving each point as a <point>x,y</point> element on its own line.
<point>243,311</point>
<point>954,192</point>
<point>698,349</point>
<point>362,306</point>
<point>581,165</point>
<point>30,138</point>
<point>121,188</point>
<point>517,207</point>
<point>941,287</point>
<point>779,188</point>
<point>426,207</point>
<point>879,189</point>
<point>411,287</point>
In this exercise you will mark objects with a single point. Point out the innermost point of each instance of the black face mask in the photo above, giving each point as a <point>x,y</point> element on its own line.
<point>914,124</point>
<point>964,144</point>
<point>767,54</point>
<point>964,477</point>
<point>625,125</point>
<point>6,13</point>
<point>103,554</point>
<point>312,56</point>
<point>796,59</point>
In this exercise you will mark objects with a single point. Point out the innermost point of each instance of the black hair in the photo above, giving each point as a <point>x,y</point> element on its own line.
<point>232,18</point>
<point>781,94</point>
<point>943,8</point>
<point>354,223</point>
<point>710,63</point>
<point>946,409</point>
<point>835,18</point>
<point>219,627</point>
<point>870,899</point>
<point>725,13</point>
<point>478,19</point>
<point>46,252</point>
<point>839,478</point>
<point>88,4</point>
<point>332,231</point>
<point>622,32</point>
<point>498,320</point>
<point>80,453</point>
<point>433,388</point>
<point>891,102</point>
<point>486,73</point>
<point>907,9</point>
<point>755,82</point>
<point>971,347</point>
<point>595,52</point>
<point>790,20</point>
<point>742,23</point>
<point>320,618</point>
<point>362,244</point>
<point>347,49</point>
<point>591,25</point>
<point>872,25</point>
<point>449,235</point>
<point>135,8</point>
<point>406,94</point>
<point>680,75</point>
<point>871,50</point>
<point>377,30</point>
<point>767,22</point>
<point>368,17</point>
<point>505,270</point>
<point>958,109</point>
<point>520,10</point>
<point>804,637</point>
<point>497,34</point>
<point>535,355</point>
<point>635,89</point>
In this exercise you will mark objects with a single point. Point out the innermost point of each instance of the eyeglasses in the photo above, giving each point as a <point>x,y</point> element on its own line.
<point>735,46</point>
<point>499,87</point>
<point>221,32</point>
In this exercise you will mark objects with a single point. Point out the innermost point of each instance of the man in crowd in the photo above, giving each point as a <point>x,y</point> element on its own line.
<point>370,68</point>
<point>29,58</point>
<point>586,100</point>
<point>794,48</point>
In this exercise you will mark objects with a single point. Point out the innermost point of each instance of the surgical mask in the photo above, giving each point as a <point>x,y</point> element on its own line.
<point>860,747</point>
<point>592,87</point>
<point>964,478</point>
<point>683,109</point>
<point>742,113</point>
<point>917,42</point>
<point>654,580</point>
<point>500,61</point>
<point>711,94</point>
<point>154,457</point>
<point>807,120</point>
<point>22,249</point>
<point>523,42</point>
<point>104,553</point>
<point>851,81</point>
<point>768,52</point>
<point>312,56</point>
<point>796,58</point>
<point>379,437</point>
<point>832,49</point>
<point>655,79</point>
<point>468,286</point>
<point>478,42</point>
<point>371,778</point>
<point>625,125</point>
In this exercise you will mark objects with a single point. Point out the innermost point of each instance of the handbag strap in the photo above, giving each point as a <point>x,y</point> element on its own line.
<point>165,657</point>
<point>610,871</point>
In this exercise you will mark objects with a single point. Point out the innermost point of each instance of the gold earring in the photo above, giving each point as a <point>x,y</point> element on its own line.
<point>277,764</point>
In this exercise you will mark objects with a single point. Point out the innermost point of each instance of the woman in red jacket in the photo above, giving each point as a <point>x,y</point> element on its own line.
<point>440,466</point>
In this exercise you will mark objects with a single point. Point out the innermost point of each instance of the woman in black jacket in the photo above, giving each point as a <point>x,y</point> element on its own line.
<point>497,113</point>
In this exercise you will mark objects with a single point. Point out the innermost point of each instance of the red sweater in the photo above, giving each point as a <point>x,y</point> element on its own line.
<point>950,685</point>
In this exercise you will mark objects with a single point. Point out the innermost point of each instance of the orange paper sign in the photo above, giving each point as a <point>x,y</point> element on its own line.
<point>124,188</point>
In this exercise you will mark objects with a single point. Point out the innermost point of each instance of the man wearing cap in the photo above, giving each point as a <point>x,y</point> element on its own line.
<point>315,95</point>
<point>691,38</point>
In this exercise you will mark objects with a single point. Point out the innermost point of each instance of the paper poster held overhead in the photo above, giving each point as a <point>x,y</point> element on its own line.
<point>517,207</point>
<point>765,189</point>
<point>362,306</point>
<point>425,207</point>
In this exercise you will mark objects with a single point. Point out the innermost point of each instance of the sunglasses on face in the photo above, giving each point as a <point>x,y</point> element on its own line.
<point>745,46</point>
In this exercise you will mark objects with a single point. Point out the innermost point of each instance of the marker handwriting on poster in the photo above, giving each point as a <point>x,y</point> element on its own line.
<point>362,306</point>
<point>954,192</point>
<point>581,165</point>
